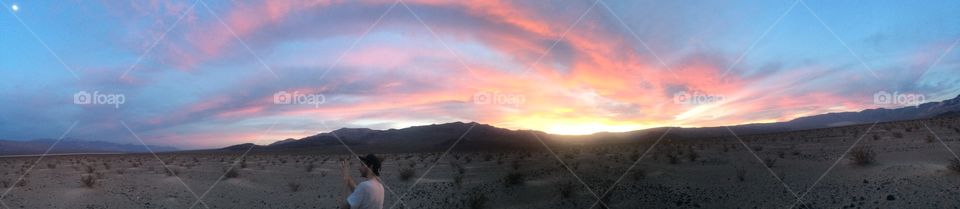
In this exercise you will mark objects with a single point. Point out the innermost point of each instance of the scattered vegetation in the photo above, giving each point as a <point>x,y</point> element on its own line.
<point>954,165</point>
<point>769,162</point>
<point>407,173</point>
<point>862,156</point>
<point>639,173</point>
<point>566,190</point>
<point>458,180</point>
<point>88,180</point>
<point>477,199</point>
<point>741,174</point>
<point>674,158</point>
<point>231,173</point>
<point>514,179</point>
<point>294,186</point>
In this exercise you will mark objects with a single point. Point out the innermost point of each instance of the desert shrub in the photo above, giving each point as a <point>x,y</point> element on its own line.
<point>22,183</point>
<point>741,174</point>
<point>477,199</point>
<point>566,190</point>
<point>88,180</point>
<point>898,135</point>
<point>231,173</point>
<point>769,162</point>
<point>639,174</point>
<point>173,172</point>
<point>487,157</point>
<point>513,179</point>
<point>692,156</point>
<point>515,164</point>
<point>862,156</point>
<point>674,158</point>
<point>310,168</point>
<point>90,169</point>
<point>294,187</point>
<point>605,201</point>
<point>458,180</point>
<point>954,165</point>
<point>407,173</point>
<point>51,165</point>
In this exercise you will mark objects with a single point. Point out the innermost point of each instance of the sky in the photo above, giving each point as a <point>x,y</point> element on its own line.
<point>212,73</point>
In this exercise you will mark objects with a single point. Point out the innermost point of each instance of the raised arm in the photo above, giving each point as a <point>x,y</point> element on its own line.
<point>351,185</point>
<point>347,179</point>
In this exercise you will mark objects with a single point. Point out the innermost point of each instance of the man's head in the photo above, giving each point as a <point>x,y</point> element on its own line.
<point>371,164</point>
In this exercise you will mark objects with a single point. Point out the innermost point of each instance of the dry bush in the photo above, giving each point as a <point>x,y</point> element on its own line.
<point>22,183</point>
<point>769,162</point>
<point>741,174</point>
<point>674,158</point>
<point>862,156</point>
<point>173,172</point>
<point>231,173</point>
<point>954,165</point>
<point>639,174</point>
<point>458,180</point>
<point>406,173</point>
<point>566,190</point>
<point>477,199</point>
<point>294,187</point>
<point>692,155</point>
<point>514,178</point>
<point>88,180</point>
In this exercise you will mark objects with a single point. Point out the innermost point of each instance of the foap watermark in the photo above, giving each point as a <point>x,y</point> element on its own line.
<point>98,98</point>
<point>898,99</point>
<point>695,98</point>
<point>297,98</point>
<point>498,98</point>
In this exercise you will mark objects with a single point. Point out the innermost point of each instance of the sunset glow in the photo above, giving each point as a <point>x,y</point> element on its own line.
<point>216,73</point>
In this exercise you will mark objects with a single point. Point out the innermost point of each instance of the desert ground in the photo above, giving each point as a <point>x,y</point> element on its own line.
<point>893,165</point>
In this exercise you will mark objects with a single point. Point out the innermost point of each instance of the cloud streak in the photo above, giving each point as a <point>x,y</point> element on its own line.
<point>201,88</point>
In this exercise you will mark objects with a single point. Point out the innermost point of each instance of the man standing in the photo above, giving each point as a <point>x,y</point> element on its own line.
<point>368,194</point>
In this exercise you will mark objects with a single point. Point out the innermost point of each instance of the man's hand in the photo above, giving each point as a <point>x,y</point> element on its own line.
<point>344,168</point>
<point>347,179</point>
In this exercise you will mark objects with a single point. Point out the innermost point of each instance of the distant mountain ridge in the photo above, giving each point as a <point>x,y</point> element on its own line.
<point>437,137</point>
<point>71,145</point>
<point>926,110</point>
<point>411,138</point>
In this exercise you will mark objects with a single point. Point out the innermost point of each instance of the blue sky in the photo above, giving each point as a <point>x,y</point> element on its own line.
<point>210,78</point>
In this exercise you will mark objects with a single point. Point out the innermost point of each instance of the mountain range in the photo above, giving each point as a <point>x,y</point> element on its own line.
<point>438,137</point>
<point>71,145</point>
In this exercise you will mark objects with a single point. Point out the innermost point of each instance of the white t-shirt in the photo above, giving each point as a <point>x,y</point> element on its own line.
<point>368,195</point>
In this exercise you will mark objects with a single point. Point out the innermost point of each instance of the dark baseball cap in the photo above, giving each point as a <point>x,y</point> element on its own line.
<point>371,162</point>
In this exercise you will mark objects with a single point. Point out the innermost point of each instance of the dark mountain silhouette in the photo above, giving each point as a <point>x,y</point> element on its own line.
<point>923,111</point>
<point>417,138</point>
<point>439,137</point>
<point>70,145</point>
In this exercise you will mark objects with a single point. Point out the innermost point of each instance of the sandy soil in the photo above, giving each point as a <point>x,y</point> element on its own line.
<point>911,169</point>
